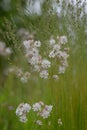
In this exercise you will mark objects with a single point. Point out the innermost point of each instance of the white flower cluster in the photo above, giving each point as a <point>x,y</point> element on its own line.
<point>32,52</point>
<point>22,111</point>
<point>41,65</point>
<point>39,122</point>
<point>4,51</point>
<point>24,76</point>
<point>40,108</point>
<point>45,113</point>
<point>60,122</point>
<point>37,106</point>
<point>34,58</point>
<point>55,57</point>
<point>59,53</point>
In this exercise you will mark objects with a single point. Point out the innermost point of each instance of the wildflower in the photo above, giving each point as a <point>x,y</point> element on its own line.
<point>55,77</point>
<point>58,37</point>
<point>19,72</point>
<point>41,65</point>
<point>45,113</point>
<point>41,103</point>
<point>23,119</point>
<point>61,69</point>
<point>27,74</point>
<point>60,122</point>
<point>37,43</point>
<point>52,54</point>
<point>35,51</point>
<point>36,68</point>
<point>52,42</point>
<point>8,51</point>
<point>36,107</point>
<point>63,39</point>
<point>4,51</point>
<point>35,60</point>
<point>56,47</point>
<point>39,122</point>
<point>64,63</point>
<point>45,64</point>
<point>63,54</point>
<point>44,74</point>
<point>49,108</point>
<point>22,111</point>
<point>27,44</point>
<point>24,79</point>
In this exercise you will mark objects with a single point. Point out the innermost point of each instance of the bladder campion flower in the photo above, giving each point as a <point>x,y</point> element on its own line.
<point>45,113</point>
<point>22,111</point>
<point>39,122</point>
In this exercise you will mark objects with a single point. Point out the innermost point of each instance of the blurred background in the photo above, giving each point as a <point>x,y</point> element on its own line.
<point>41,19</point>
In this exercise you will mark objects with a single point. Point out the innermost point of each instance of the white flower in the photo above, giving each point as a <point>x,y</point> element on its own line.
<point>27,74</point>
<point>45,113</point>
<point>63,54</point>
<point>36,68</point>
<point>63,39</point>
<point>19,72</point>
<point>24,79</point>
<point>55,77</point>
<point>22,111</point>
<point>19,110</point>
<point>64,63</point>
<point>58,37</point>
<point>62,69</point>
<point>37,43</point>
<point>23,76</point>
<point>41,103</point>
<point>45,64</point>
<point>60,122</point>
<point>56,47</point>
<point>8,51</point>
<point>34,51</point>
<point>39,122</point>
<point>3,50</point>
<point>35,60</point>
<point>36,107</point>
<point>27,44</point>
<point>49,108</point>
<point>27,107</point>
<point>44,74</point>
<point>52,54</point>
<point>52,42</point>
<point>23,118</point>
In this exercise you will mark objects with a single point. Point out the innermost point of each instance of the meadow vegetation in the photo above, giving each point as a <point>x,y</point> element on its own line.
<point>43,67</point>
